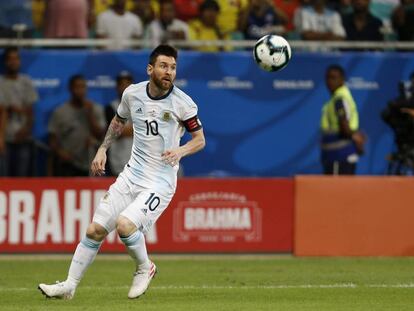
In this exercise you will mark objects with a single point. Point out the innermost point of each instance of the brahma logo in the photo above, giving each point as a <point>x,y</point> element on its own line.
<point>217,217</point>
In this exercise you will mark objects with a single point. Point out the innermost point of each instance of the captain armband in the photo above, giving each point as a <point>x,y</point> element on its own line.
<point>193,124</point>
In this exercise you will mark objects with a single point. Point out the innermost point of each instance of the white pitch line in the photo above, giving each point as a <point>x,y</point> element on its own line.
<point>409,285</point>
<point>230,287</point>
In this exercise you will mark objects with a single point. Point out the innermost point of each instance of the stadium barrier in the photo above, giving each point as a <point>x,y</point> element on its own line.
<point>206,215</point>
<point>348,216</point>
<point>194,44</point>
<point>307,216</point>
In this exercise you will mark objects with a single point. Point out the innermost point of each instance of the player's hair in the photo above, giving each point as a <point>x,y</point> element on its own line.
<point>163,49</point>
<point>75,78</point>
<point>337,68</point>
<point>9,50</point>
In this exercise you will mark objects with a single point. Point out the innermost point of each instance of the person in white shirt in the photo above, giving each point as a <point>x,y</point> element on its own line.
<point>160,113</point>
<point>118,25</point>
<point>317,22</point>
<point>167,27</point>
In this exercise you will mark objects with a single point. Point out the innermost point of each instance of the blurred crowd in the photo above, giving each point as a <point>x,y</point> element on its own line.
<point>157,21</point>
<point>71,145</point>
<point>75,128</point>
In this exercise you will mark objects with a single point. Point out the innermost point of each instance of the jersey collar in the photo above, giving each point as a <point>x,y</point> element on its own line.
<point>161,97</point>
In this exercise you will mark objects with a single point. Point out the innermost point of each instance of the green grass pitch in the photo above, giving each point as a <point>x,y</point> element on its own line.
<point>214,283</point>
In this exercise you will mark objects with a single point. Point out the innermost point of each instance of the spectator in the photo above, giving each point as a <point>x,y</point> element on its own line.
<point>341,6</point>
<point>229,19</point>
<point>187,9</point>
<point>67,19</point>
<point>18,96</point>
<point>101,6</point>
<point>120,151</point>
<point>383,9</point>
<point>3,122</point>
<point>118,25</point>
<point>317,22</point>
<point>146,11</point>
<point>205,27</point>
<point>167,27</point>
<point>288,7</point>
<point>361,25</point>
<point>341,140</point>
<point>74,129</point>
<point>16,19</point>
<point>262,18</point>
<point>403,20</point>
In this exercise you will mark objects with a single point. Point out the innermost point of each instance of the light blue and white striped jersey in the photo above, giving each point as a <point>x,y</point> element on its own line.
<point>159,124</point>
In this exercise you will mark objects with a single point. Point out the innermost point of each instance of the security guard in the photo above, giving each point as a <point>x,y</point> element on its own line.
<point>342,143</point>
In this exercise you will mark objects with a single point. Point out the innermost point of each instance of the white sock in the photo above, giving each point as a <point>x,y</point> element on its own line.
<point>137,249</point>
<point>84,255</point>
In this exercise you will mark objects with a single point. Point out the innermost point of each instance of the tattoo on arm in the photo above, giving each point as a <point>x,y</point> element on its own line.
<point>114,131</point>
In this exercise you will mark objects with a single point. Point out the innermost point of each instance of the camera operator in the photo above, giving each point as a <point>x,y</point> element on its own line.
<point>409,94</point>
<point>399,115</point>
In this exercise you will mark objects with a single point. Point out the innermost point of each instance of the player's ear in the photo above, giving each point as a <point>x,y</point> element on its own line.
<point>149,69</point>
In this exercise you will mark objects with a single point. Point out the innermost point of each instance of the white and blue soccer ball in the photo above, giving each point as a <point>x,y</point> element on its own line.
<point>272,53</point>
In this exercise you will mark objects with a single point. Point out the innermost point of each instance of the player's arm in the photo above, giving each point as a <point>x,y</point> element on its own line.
<point>196,143</point>
<point>114,131</point>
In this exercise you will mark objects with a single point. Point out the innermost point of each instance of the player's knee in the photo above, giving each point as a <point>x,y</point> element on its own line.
<point>96,232</point>
<point>125,227</point>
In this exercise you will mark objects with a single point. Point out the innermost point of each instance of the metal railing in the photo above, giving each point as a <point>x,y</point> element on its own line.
<point>225,44</point>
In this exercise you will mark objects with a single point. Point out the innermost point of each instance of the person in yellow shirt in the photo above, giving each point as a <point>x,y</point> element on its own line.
<point>103,5</point>
<point>205,27</point>
<point>342,141</point>
<point>229,16</point>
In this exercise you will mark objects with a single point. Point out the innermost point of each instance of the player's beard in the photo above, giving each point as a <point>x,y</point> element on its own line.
<point>162,84</point>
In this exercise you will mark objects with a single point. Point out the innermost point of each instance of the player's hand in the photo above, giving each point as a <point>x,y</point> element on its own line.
<point>98,163</point>
<point>171,157</point>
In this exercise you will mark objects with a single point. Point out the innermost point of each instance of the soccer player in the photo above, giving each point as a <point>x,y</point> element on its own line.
<point>159,112</point>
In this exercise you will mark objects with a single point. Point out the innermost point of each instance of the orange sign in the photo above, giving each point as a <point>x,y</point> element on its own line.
<point>354,216</point>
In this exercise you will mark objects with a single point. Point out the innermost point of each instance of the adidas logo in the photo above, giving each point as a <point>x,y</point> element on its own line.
<point>139,110</point>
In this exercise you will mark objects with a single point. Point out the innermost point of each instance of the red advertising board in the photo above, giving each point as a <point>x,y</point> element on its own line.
<point>206,215</point>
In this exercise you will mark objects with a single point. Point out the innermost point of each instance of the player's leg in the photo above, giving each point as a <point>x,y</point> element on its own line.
<point>104,221</point>
<point>84,255</point>
<point>134,241</point>
<point>133,222</point>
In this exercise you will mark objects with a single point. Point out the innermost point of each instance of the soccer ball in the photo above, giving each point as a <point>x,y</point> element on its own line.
<point>272,53</point>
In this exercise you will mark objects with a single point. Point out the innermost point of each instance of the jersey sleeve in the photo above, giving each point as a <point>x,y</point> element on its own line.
<point>341,109</point>
<point>190,117</point>
<point>123,110</point>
